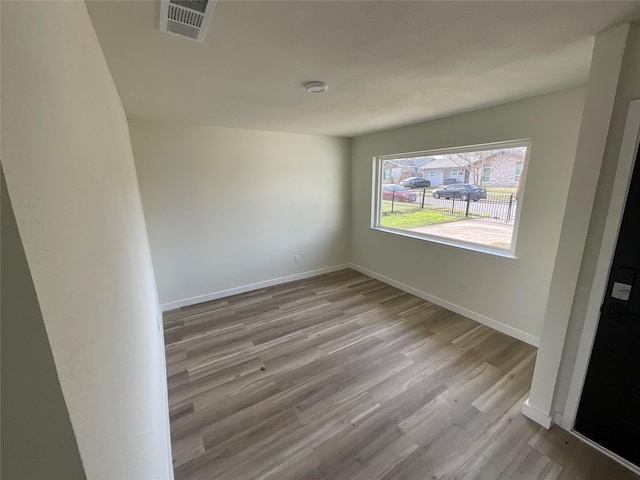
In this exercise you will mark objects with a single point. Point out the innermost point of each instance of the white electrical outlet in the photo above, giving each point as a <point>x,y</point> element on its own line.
<point>296,258</point>
<point>462,286</point>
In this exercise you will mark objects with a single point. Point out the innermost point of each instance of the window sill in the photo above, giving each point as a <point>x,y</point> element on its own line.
<point>499,254</point>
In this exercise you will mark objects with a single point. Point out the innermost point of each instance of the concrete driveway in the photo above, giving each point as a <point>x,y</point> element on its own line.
<point>477,231</point>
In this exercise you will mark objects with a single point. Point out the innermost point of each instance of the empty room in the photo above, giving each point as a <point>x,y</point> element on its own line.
<point>319,240</point>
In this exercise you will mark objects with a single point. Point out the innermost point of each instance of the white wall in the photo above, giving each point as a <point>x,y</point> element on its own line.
<point>628,89</point>
<point>509,294</point>
<point>227,208</point>
<point>70,174</point>
<point>606,63</point>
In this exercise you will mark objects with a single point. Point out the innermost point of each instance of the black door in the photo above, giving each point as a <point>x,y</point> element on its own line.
<point>609,410</point>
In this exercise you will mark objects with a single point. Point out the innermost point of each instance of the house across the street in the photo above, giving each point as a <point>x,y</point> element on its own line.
<point>494,168</point>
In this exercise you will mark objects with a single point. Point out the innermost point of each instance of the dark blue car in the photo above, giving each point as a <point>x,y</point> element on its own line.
<point>463,191</point>
<point>415,182</point>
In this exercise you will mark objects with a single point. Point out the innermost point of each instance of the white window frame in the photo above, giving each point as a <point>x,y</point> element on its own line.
<point>376,200</point>
<point>486,174</point>
<point>518,172</point>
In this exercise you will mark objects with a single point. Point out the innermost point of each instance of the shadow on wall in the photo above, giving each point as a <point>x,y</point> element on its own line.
<point>37,437</point>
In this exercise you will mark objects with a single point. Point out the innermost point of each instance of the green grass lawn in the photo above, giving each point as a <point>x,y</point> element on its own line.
<point>417,218</point>
<point>501,244</point>
<point>502,190</point>
<point>399,207</point>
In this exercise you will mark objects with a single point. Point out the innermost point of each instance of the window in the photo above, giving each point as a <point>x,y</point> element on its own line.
<point>516,177</point>
<point>457,213</point>
<point>486,173</point>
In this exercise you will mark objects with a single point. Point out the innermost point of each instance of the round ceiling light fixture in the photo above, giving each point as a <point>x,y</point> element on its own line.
<point>316,87</point>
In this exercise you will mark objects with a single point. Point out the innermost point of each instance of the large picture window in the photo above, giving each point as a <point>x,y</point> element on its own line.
<point>418,195</point>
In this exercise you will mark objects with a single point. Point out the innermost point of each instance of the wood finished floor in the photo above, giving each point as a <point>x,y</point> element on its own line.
<point>344,377</point>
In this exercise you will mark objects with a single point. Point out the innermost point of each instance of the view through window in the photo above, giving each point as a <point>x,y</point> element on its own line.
<point>468,196</point>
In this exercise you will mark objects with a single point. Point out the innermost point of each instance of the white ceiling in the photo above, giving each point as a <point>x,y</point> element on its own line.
<point>387,63</point>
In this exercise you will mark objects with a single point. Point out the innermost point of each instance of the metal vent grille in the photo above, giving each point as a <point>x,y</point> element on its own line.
<point>197,5</point>
<point>187,18</point>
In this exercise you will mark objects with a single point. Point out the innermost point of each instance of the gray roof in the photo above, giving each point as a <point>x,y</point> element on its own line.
<point>440,163</point>
<point>410,162</point>
<point>445,161</point>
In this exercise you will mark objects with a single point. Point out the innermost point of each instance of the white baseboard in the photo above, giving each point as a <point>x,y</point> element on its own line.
<point>559,420</point>
<point>566,423</point>
<point>536,415</point>
<point>489,322</point>
<point>247,288</point>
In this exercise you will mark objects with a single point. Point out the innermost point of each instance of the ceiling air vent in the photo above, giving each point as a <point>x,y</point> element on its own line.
<point>187,18</point>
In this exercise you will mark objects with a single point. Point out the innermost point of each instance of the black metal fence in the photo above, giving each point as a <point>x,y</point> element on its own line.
<point>500,208</point>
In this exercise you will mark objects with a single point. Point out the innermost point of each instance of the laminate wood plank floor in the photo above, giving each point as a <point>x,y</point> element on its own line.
<point>343,377</point>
